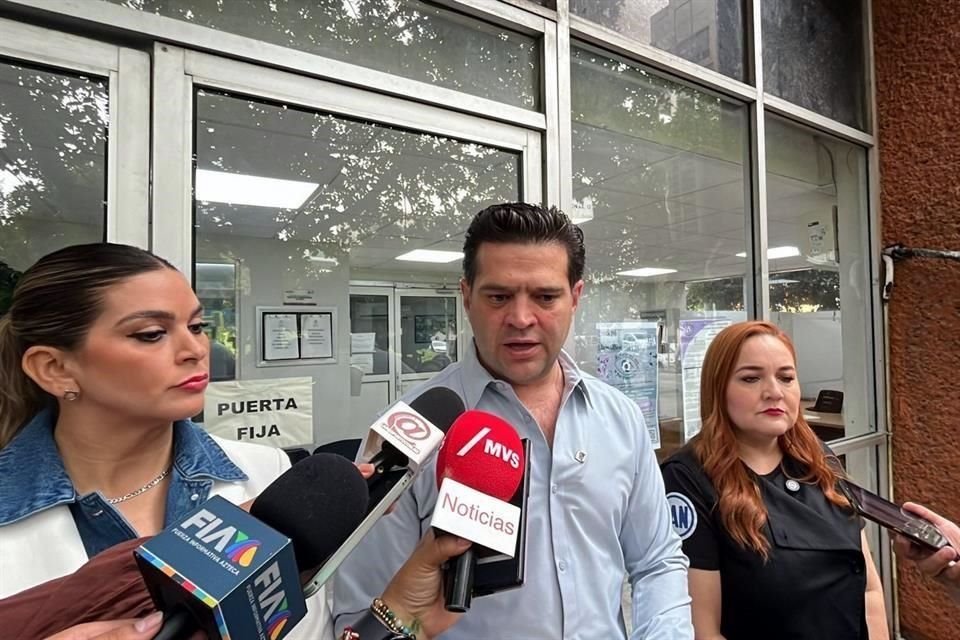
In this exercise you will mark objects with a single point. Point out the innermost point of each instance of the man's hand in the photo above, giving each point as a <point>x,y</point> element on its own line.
<point>416,592</point>
<point>942,564</point>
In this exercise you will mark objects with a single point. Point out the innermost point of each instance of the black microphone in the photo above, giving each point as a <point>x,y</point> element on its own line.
<point>395,470</point>
<point>232,574</point>
<point>440,406</point>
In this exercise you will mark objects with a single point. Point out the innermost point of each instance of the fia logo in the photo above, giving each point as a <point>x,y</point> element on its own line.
<point>683,515</point>
<point>491,448</point>
<point>272,601</point>
<point>241,549</point>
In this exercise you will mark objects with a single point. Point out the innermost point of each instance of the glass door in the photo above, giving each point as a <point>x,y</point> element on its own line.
<point>308,187</point>
<point>431,335</point>
<point>73,145</point>
<point>372,368</point>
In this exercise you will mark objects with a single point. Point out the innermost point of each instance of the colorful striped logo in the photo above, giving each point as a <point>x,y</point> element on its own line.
<point>278,621</point>
<point>242,550</point>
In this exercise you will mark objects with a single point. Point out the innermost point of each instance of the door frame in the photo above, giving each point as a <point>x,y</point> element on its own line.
<point>180,71</point>
<point>411,291</point>
<point>127,72</point>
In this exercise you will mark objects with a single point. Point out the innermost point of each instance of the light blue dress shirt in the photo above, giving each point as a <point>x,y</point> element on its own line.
<point>590,523</point>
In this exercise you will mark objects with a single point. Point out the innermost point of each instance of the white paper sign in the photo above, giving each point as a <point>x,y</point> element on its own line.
<point>316,335</point>
<point>362,361</point>
<point>280,340</point>
<point>468,513</point>
<point>363,342</point>
<point>276,412</point>
<point>408,431</point>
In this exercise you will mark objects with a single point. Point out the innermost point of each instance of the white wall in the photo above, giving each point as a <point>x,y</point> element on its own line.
<point>266,268</point>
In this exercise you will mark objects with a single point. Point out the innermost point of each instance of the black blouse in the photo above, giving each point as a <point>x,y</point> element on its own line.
<point>812,585</point>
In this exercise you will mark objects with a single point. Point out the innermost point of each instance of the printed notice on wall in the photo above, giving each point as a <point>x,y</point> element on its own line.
<point>280,341</point>
<point>316,335</point>
<point>276,412</point>
<point>627,360</point>
<point>696,334</point>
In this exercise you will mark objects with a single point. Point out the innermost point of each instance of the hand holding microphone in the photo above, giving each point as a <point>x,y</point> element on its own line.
<point>406,440</point>
<point>228,573</point>
<point>479,467</point>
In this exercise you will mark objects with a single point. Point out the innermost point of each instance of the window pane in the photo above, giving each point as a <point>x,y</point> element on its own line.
<point>707,32</point>
<point>863,467</point>
<point>303,203</point>
<point>813,55</point>
<point>370,317</point>
<point>428,330</point>
<point>408,38</point>
<point>659,190</point>
<point>819,271</point>
<point>53,157</point>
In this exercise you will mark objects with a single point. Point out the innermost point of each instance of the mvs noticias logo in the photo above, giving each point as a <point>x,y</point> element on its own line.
<point>242,550</point>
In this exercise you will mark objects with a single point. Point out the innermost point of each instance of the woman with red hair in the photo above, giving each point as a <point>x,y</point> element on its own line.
<point>775,550</point>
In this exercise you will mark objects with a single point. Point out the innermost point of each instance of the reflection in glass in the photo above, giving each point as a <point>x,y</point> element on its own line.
<point>53,150</point>
<point>216,287</point>
<point>408,38</point>
<point>864,469</point>
<point>707,32</point>
<point>370,318</point>
<point>428,333</point>
<point>659,192</point>
<point>813,55</point>
<point>305,203</point>
<point>819,269</point>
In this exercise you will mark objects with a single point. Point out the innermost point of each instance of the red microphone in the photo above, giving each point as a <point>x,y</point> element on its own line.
<point>479,468</point>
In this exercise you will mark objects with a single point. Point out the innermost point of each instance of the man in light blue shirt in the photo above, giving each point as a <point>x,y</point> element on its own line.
<point>596,509</point>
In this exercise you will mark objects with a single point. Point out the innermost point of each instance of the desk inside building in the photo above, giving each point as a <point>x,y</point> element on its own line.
<point>829,426</point>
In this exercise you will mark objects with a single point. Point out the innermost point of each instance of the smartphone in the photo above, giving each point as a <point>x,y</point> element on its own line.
<point>496,572</point>
<point>892,516</point>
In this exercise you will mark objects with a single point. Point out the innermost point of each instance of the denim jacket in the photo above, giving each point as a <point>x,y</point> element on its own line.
<point>47,530</point>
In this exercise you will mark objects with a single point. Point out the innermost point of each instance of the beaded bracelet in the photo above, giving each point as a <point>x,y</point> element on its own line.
<point>385,615</point>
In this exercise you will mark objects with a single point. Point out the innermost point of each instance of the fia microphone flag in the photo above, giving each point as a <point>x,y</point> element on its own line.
<point>236,576</point>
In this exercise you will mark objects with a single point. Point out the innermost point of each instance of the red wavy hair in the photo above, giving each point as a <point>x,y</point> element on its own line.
<point>741,508</point>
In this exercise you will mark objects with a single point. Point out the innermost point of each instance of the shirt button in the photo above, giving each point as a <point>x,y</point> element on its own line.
<point>554,489</point>
<point>562,566</point>
<point>195,497</point>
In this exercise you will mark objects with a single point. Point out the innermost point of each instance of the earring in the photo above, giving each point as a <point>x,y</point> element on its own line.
<point>70,395</point>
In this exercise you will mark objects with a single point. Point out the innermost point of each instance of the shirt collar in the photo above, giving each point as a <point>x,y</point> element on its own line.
<point>34,478</point>
<point>476,378</point>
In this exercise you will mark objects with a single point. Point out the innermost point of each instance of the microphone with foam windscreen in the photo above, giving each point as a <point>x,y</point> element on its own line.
<point>230,573</point>
<point>317,504</point>
<point>399,443</point>
<point>479,467</point>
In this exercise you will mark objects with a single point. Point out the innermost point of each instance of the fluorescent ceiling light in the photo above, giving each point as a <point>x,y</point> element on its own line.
<point>320,256</point>
<point>256,191</point>
<point>773,253</point>
<point>645,272</point>
<point>784,281</point>
<point>431,255</point>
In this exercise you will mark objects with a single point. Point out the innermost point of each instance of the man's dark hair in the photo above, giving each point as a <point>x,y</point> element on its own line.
<point>518,222</point>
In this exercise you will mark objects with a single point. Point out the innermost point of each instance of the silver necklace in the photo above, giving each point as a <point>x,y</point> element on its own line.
<point>143,489</point>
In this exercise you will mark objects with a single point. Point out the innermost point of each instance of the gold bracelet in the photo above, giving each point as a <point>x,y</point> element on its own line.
<point>389,619</point>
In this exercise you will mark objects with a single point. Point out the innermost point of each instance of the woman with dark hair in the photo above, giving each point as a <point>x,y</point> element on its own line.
<point>103,360</point>
<point>775,549</point>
